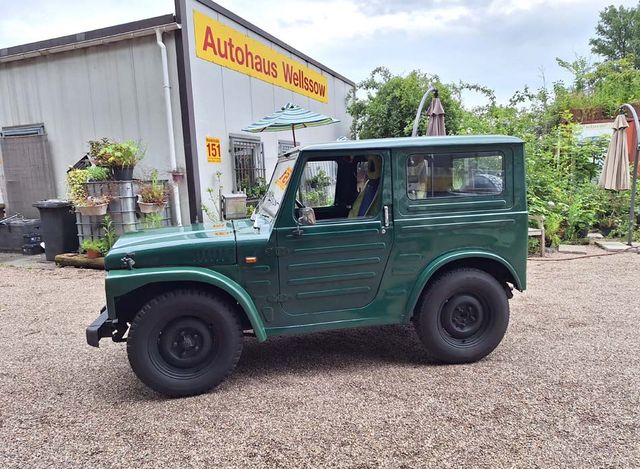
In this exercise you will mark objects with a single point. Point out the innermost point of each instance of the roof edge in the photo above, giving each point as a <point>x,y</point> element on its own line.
<point>87,36</point>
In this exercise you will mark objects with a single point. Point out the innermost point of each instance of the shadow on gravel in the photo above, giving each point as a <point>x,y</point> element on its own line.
<point>331,350</point>
<point>321,352</point>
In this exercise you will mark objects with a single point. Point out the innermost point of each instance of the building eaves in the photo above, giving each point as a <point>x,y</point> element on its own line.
<point>88,37</point>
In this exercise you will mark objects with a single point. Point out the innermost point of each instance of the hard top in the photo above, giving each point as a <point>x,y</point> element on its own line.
<point>410,142</point>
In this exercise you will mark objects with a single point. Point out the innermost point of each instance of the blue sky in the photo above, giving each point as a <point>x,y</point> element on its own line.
<point>503,44</point>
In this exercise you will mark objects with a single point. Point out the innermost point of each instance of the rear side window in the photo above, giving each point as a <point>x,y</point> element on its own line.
<point>434,175</point>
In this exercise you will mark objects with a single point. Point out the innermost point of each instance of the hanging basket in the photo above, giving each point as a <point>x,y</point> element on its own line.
<point>93,210</point>
<point>151,207</point>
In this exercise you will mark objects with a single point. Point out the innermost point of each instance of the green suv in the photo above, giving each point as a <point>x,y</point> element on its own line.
<point>428,230</point>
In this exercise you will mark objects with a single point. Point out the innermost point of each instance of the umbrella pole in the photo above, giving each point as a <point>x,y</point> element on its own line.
<point>416,122</point>
<point>293,130</point>
<point>634,185</point>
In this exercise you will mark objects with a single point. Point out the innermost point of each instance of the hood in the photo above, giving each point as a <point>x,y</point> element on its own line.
<point>197,245</point>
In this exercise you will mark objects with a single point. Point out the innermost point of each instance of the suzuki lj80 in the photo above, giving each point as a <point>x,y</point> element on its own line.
<point>428,230</point>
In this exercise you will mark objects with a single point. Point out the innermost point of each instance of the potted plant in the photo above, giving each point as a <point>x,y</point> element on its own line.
<point>93,248</point>
<point>122,158</point>
<point>152,197</point>
<point>93,205</point>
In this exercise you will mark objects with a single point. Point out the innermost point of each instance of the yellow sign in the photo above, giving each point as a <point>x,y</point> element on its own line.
<point>221,44</point>
<point>283,180</point>
<point>214,155</point>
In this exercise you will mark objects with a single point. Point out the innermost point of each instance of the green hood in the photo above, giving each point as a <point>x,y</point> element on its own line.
<point>197,245</point>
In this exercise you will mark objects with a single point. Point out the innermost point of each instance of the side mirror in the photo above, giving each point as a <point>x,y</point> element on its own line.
<point>307,216</point>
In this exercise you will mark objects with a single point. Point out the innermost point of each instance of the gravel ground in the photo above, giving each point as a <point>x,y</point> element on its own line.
<point>561,390</point>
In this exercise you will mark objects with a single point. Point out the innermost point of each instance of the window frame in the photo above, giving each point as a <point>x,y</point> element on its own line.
<point>455,198</point>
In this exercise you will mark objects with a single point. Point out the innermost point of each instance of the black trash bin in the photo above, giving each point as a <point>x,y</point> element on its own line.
<point>58,227</point>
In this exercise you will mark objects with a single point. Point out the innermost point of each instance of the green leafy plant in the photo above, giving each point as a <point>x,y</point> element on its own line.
<point>98,245</point>
<point>151,221</point>
<point>95,147</point>
<point>154,191</point>
<point>124,154</point>
<point>214,212</point>
<point>98,173</point>
<point>256,190</point>
<point>109,233</point>
<point>320,180</point>
<point>77,191</point>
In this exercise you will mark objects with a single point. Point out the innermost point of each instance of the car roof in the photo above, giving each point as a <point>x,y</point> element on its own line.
<point>410,142</point>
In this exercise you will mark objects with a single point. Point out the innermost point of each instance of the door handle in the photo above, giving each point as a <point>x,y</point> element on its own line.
<point>387,220</point>
<point>297,232</point>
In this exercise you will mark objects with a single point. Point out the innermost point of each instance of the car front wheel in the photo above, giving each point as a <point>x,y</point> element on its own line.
<point>184,342</point>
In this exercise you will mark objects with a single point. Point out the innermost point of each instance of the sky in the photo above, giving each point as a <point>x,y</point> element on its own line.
<point>503,44</point>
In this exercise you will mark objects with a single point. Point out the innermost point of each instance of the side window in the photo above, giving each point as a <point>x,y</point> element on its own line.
<point>318,184</point>
<point>454,175</point>
<point>341,186</point>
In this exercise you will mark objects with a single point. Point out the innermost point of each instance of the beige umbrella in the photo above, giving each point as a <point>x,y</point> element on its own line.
<point>436,118</point>
<point>615,171</point>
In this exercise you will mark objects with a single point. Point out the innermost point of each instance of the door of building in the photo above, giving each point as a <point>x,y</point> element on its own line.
<point>27,169</point>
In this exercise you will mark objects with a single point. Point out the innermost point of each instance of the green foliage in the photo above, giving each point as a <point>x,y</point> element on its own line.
<point>154,191</point>
<point>96,146</point>
<point>320,180</point>
<point>254,191</point>
<point>94,245</point>
<point>77,191</point>
<point>152,221</point>
<point>385,105</point>
<point>110,236</point>
<point>124,154</point>
<point>98,173</point>
<point>618,34</point>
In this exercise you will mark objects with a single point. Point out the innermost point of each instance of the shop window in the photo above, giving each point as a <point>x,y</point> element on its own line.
<point>454,175</point>
<point>248,162</point>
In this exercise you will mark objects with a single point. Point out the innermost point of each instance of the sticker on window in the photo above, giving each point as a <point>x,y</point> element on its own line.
<point>283,180</point>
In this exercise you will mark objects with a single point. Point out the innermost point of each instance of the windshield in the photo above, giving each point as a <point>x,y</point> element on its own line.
<point>270,203</point>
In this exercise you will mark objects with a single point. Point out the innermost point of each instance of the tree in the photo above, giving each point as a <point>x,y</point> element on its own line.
<point>385,105</point>
<point>618,34</point>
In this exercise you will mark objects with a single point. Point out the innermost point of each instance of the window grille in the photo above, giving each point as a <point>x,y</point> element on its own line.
<point>248,161</point>
<point>284,146</point>
<point>22,130</point>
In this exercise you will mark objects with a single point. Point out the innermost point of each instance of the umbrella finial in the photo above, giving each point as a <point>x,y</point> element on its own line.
<point>435,92</point>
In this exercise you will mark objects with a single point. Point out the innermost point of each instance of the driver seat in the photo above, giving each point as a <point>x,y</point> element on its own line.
<point>368,201</point>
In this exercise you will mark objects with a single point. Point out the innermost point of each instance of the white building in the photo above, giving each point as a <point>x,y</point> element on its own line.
<point>222,74</point>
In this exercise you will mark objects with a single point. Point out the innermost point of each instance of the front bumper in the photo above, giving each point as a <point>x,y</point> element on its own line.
<point>103,327</point>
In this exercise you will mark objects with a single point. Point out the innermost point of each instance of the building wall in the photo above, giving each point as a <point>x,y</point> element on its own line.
<point>225,101</point>
<point>113,90</point>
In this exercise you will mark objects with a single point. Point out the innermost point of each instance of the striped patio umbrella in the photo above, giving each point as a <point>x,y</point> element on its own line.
<point>290,117</point>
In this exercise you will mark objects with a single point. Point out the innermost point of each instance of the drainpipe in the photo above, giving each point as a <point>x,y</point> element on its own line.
<point>169,117</point>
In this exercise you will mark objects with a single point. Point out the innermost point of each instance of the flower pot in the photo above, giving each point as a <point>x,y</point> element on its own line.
<point>122,173</point>
<point>151,208</point>
<point>93,210</point>
<point>91,254</point>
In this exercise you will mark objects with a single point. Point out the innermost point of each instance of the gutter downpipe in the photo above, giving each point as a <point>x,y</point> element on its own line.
<point>169,118</point>
<point>414,132</point>
<point>634,185</point>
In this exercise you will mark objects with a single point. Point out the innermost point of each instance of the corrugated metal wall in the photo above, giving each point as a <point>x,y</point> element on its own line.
<point>113,90</point>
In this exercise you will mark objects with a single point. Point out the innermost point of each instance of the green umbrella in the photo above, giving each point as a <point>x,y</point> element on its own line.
<point>290,117</point>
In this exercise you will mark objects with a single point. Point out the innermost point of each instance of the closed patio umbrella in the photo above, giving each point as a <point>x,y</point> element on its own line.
<point>615,171</point>
<point>436,117</point>
<point>290,117</point>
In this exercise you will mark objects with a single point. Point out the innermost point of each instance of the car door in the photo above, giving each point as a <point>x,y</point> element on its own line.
<point>332,270</point>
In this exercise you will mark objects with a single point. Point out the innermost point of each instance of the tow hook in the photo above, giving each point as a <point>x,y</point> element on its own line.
<point>128,261</point>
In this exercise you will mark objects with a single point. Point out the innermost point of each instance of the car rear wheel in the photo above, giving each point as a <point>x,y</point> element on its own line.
<point>463,316</point>
<point>184,342</point>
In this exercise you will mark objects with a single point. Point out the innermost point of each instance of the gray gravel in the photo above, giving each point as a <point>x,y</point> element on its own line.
<point>561,390</point>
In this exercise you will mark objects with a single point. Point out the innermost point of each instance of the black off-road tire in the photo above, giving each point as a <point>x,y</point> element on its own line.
<point>184,342</point>
<point>463,316</point>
